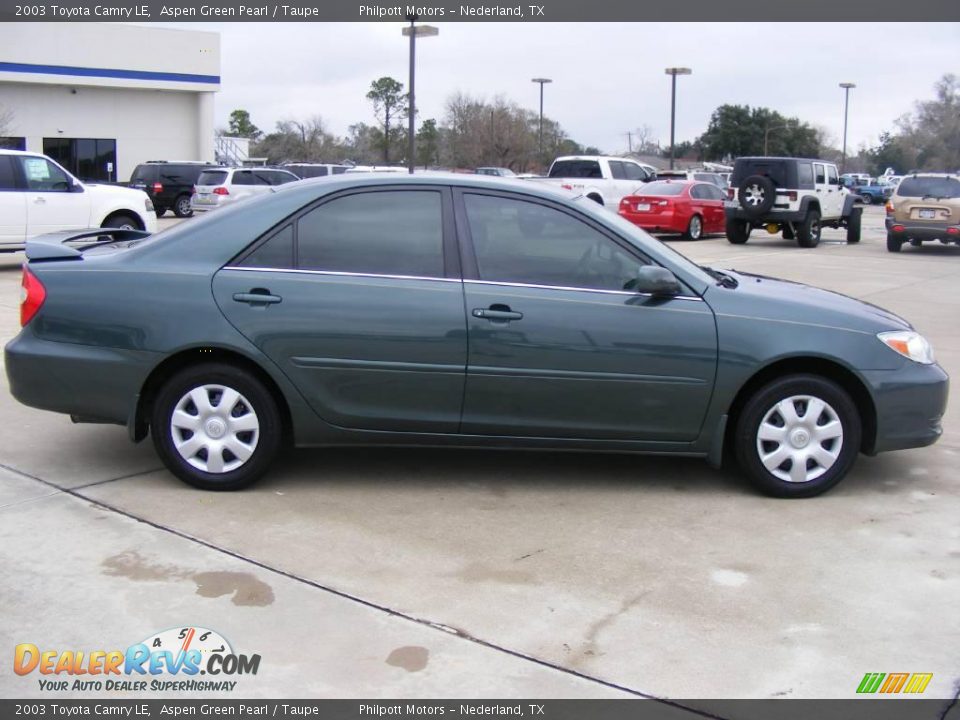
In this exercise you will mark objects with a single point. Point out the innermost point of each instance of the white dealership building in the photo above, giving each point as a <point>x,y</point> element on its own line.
<point>101,98</point>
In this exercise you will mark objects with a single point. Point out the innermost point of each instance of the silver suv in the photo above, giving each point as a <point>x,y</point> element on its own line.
<point>795,196</point>
<point>221,186</point>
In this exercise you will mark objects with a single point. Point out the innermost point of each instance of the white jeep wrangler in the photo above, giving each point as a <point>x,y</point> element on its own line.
<point>795,196</point>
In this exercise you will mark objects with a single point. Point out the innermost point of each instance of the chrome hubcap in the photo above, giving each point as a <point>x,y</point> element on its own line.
<point>695,227</point>
<point>800,438</point>
<point>214,428</point>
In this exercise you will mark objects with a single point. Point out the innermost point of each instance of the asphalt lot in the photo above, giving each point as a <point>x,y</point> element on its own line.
<point>442,573</point>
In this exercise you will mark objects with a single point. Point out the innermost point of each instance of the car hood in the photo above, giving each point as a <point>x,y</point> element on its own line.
<point>129,194</point>
<point>775,299</point>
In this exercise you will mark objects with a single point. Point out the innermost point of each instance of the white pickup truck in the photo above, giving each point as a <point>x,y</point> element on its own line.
<point>605,180</point>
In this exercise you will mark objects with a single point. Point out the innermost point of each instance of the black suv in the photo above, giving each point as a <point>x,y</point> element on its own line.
<point>169,184</point>
<point>795,196</point>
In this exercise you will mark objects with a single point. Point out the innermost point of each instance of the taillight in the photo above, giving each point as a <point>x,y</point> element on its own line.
<point>221,191</point>
<point>889,207</point>
<point>790,195</point>
<point>953,231</point>
<point>898,228</point>
<point>157,187</point>
<point>663,203</point>
<point>32,295</point>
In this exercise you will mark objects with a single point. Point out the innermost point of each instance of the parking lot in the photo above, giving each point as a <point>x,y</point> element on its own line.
<point>446,573</point>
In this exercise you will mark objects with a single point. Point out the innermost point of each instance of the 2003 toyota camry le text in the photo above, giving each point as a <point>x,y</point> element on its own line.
<point>453,310</point>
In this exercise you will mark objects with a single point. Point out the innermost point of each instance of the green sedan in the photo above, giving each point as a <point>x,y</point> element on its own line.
<point>457,310</point>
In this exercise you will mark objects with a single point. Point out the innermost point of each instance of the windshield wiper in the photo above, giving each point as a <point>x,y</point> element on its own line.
<point>724,279</point>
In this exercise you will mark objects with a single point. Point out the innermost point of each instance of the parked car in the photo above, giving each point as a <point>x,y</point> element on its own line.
<point>922,208</point>
<point>377,169</point>
<point>670,206</point>
<point>605,180</point>
<point>312,170</point>
<point>873,192</point>
<point>221,186</point>
<point>38,196</point>
<point>169,184</point>
<point>713,178</point>
<point>457,310</point>
<point>496,171</point>
<point>795,196</point>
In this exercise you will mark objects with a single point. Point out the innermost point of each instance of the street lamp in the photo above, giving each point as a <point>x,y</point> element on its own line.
<point>846,106</point>
<point>766,135</point>
<point>542,81</point>
<point>673,72</point>
<point>413,32</point>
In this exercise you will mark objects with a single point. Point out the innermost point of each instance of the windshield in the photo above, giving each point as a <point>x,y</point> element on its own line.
<point>575,169</point>
<point>937,187</point>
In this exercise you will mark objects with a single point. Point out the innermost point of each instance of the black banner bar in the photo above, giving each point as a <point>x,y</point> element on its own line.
<point>486,11</point>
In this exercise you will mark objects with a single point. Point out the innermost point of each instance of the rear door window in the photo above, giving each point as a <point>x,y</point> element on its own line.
<point>8,176</point>
<point>819,174</point>
<point>575,169</point>
<point>375,233</point>
<point>275,252</point>
<point>832,176</point>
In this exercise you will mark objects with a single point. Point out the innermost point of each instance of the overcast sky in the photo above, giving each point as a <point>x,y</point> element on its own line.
<point>607,77</point>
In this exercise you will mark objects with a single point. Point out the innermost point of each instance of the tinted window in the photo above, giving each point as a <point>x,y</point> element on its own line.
<point>340,169</point>
<point>143,174</point>
<point>634,172</point>
<point>244,177</point>
<point>832,175</point>
<point>698,192</point>
<point>43,175</point>
<point>382,233</point>
<point>714,193</point>
<point>818,173</point>
<point>617,170</point>
<point>8,180</point>
<point>575,169</point>
<point>661,188</point>
<point>276,252</point>
<point>522,242</point>
<point>280,178</point>
<point>212,177</point>
<point>805,174</point>
<point>935,187</point>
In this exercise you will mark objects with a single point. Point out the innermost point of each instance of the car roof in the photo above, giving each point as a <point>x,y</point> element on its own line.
<point>5,151</point>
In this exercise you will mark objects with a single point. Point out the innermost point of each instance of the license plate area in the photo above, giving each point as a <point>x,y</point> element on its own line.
<point>643,207</point>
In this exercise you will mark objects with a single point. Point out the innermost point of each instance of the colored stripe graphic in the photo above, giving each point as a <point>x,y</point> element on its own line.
<point>870,682</point>
<point>918,682</point>
<point>107,73</point>
<point>895,682</point>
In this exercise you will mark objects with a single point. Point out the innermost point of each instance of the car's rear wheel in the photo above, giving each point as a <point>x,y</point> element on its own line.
<point>181,208</point>
<point>738,231</point>
<point>215,426</point>
<point>808,233</point>
<point>124,222</point>
<point>894,243</point>
<point>694,228</point>
<point>853,225</point>
<point>798,436</point>
<point>867,199</point>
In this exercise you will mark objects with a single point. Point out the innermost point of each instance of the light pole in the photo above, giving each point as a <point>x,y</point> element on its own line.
<point>542,81</point>
<point>673,72</point>
<point>413,32</point>
<point>846,106</point>
<point>766,135</point>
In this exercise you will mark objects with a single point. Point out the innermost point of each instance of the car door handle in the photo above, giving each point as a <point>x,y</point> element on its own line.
<point>257,296</point>
<point>39,201</point>
<point>495,313</point>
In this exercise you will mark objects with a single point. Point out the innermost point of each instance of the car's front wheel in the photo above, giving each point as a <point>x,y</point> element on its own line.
<point>808,234</point>
<point>798,436</point>
<point>215,426</point>
<point>123,222</point>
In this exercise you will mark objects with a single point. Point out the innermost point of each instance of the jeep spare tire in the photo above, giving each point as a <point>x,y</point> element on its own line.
<point>756,193</point>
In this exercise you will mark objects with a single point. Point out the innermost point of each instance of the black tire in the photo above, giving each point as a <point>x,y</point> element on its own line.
<point>738,231</point>
<point>763,409</point>
<point>122,221</point>
<point>181,206</point>
<point>808,233</point>
<point>853,225</point>
<point>254,399</point>
<point>694,228</point>
<point>159,211</point>
<point>867,199</point>
<point>894,243</point>
<point>756,194</point>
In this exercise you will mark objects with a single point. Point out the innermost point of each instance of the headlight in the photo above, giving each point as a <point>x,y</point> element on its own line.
<point>909,344</point>
<point>149,205</point>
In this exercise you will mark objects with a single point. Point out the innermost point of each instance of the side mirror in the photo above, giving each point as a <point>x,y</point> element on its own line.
<point>656,281</point>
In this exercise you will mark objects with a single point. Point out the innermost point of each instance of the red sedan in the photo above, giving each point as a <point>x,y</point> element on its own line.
<point>668,206</point>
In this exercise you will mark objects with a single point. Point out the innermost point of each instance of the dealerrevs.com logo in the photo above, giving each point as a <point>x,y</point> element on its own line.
<point>892,683</point>
<point>169,661</point>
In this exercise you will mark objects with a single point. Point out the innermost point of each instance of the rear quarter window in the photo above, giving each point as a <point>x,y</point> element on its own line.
<point>576,169</point>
